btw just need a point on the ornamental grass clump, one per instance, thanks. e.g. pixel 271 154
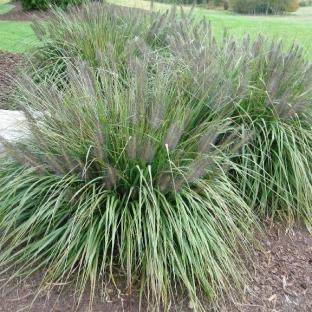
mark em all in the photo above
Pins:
pixel 278 107
pixel 123 176
pixel 96 26
pixel 81 32
pixel 266 87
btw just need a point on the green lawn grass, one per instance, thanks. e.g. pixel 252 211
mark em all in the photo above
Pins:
pixel 293 27
pixel 15 36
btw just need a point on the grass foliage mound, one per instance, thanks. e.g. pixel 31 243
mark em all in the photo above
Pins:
pixel 152 149
pixel 96 30
pixel 127 175
pixel 267 88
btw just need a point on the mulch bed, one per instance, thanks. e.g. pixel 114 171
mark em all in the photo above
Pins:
pixel 10 65
pixel 281 281
pixel 281 273
pixel 17 14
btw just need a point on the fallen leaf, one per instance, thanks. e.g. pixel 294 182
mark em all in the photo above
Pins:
pixel 273 297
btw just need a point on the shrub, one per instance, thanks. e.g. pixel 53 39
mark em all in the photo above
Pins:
pixel 292 6
pixel 187 2
pixel 264 6
pixel 207 3
pixel 305 3
pixel 219 3
pixel 44 4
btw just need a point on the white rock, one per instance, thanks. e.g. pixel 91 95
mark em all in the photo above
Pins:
pixel 13 126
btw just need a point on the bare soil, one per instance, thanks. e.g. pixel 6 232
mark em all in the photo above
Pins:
pixel 281 275
pixel 10 67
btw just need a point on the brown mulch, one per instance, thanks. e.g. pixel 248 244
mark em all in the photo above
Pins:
pixel 281 281
pixel 18 14
pixel 10 65
pixel 281 273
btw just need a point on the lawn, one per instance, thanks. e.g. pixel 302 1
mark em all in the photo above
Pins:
pixel 16 36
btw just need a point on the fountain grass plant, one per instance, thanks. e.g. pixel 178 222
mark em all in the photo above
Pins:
pixel 97 27
pixel 279 110
pixel 267 88
pixel 122 176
